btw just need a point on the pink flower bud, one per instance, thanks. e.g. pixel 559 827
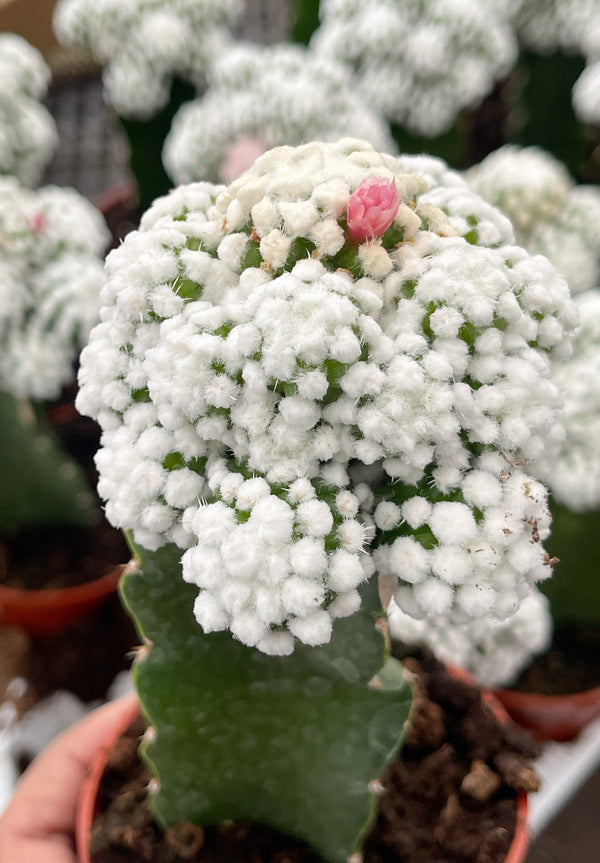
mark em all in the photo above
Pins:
pixel 240 156
pixel 38 222
pixel 372 208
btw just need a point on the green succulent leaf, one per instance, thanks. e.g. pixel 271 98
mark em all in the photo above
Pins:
pixel 292 742
pixel 40 482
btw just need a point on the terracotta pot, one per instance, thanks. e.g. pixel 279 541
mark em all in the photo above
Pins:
pixel 119 207
pixel 520 844
pixel 87 802
pixel 86 808
pixel 551 717
pixel 43 612
pixel 122 195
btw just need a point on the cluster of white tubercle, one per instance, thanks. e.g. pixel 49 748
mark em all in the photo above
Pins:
pixel 51 246
pixel 574 477
pixel 297 410
pixel 279 94
pixel 551 215
pixel 27 131
pixel 550 25
pixel 573 27
pixel 586 92
pixel 417 62
pixel 495 651
pixel 554 217
pixel 144 43
pixel 420 62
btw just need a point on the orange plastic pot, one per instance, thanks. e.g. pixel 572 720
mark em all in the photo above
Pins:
pixel 551 717
pixel 44 612
pixel 87 801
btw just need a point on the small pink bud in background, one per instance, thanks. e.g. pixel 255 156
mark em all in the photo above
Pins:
pixel 240 156
pixel 37 222
pixel 372 208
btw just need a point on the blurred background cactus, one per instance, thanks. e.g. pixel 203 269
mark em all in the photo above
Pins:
pixel 51 243
pixel 27 131
pixel 155 57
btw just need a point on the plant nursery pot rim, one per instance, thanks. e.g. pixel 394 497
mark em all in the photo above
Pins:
pixel 42 611
pixel 551 717
pixel 86 808
pixel 120 193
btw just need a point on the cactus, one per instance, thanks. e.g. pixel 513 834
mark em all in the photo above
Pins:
pixel 574 591
pixel 27 131
pixel 555 217
pixel 305 20
pixel 551 215
pixel 574 479
pixel 40 483
pixel 334 368
pixel 50 245
pixel 260 86
pixel 155 56
pixel 420 62
pixel 241 735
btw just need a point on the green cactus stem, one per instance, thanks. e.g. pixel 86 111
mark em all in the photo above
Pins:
pixel 40 483
pixel 544 95
pixel 305 20
pixel 293 742
pixel 452 146
pixel 574 589
pixel 146 139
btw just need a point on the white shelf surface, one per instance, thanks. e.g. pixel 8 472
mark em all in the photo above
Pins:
pixel 563 768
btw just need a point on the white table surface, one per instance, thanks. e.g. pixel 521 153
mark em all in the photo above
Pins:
pixel 563 768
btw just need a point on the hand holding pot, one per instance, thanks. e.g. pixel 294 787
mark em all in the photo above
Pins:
pixel 38 825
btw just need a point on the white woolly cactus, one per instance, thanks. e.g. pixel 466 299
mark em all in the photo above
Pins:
pixel 495 651
pixel 585 94
pixel 548 25
pixel 571 26
pixel 27 131
pixel 274 95
pixel 144 43
pixel 51 243
pixel 550 214
pixel 260 343
pixel 574 478
pixel 464 212
pixel 420 63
